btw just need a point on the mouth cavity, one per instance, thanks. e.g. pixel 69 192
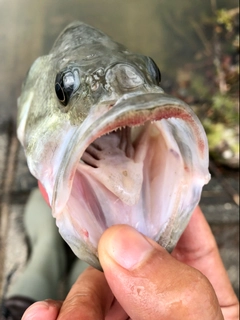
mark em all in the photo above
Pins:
pixel 145 168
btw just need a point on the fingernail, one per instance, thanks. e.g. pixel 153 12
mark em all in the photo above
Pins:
pixel 128 247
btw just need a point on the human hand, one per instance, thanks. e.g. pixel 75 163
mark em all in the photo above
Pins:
pixel 143 281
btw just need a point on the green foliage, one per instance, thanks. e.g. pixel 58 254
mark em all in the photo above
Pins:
pixel 214 133
pixel 225 17
pixel 225 109
pixel 186 31
pixel 220 139
pixel 198 86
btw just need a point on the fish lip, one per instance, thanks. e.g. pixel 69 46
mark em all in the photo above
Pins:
pixel 135 104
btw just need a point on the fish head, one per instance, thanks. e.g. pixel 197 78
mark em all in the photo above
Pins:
pixel 107 144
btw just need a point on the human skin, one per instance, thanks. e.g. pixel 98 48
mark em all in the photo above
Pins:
pixel 143 281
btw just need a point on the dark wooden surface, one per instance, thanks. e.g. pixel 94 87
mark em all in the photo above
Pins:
pixel 28 29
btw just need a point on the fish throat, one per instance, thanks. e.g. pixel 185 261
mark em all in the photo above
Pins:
pixel 135 173
pixel 126 158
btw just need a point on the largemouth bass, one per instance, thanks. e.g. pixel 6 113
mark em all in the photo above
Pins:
pixel 107 144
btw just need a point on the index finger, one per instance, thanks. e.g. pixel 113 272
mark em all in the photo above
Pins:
pixel 89 298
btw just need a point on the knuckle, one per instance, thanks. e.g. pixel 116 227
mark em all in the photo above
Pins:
pixel 81 306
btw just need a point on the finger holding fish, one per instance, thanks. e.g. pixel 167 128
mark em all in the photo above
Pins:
pixel 149 282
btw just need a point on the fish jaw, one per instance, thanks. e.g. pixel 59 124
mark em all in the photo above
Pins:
pixel 152 179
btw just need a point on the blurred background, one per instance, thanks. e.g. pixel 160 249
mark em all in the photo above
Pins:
pixel 196 46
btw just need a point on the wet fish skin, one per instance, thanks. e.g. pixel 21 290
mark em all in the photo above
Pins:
pixel 86 87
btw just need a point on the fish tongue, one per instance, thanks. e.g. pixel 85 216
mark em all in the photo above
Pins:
pixel 110 160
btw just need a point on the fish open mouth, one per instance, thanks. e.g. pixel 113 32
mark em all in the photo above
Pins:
pixel 141 163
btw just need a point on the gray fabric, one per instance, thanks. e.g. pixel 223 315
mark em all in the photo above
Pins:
pixel 47 262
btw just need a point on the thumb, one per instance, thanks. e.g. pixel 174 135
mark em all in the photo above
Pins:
pixel 149 283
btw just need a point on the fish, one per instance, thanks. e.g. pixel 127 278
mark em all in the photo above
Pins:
pixel 107 144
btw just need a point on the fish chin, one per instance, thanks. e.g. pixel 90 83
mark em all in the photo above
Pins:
pixel 142 163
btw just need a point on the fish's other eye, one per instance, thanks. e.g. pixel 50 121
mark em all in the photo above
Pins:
pixel 154 70
pixel 65 85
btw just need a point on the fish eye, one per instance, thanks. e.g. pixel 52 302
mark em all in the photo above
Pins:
pixel 66 84
pixel 154 70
